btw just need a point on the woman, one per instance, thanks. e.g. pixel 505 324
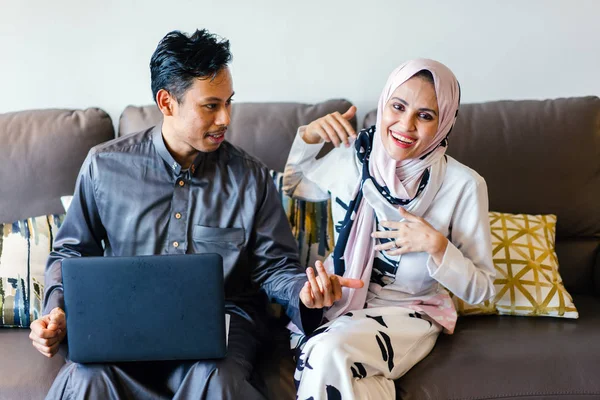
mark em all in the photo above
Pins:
pixel 412 223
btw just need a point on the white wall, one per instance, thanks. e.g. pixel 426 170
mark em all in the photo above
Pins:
pixel 80 53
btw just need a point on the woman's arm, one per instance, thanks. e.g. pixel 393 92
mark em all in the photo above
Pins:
pixel 467 269
pixel 463 262
pixel 302 161
pixel 307 177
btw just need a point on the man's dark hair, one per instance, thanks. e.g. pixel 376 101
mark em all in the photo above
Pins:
pixel 179 59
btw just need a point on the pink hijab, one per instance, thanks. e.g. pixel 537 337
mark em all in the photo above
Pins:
pixel 401 178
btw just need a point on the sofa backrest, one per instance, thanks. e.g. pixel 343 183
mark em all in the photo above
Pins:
pixel 540 157
pixel 41 152
pixel 265 130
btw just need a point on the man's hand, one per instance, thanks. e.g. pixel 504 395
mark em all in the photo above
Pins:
pixel 323 290
pixel 334 128
pixel 414 234
pixel 47 332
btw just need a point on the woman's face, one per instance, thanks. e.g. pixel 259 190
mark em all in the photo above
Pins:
pixel 410 119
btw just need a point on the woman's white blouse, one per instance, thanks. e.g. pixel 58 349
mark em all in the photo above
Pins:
pixel 459 211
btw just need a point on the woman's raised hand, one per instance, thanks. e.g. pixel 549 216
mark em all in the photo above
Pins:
pixel 334 128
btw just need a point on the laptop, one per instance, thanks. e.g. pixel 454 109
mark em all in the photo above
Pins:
pixel 145 308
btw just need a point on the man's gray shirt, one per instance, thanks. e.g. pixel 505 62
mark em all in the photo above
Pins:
pixel 133 198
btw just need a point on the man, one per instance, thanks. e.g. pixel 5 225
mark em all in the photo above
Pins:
pixel 181 189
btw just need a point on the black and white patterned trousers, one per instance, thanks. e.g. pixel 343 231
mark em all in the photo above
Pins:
pixel 358 355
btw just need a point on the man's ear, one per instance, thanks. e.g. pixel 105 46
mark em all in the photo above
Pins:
pixel 165 102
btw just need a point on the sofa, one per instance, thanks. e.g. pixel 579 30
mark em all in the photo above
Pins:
pixel 538 157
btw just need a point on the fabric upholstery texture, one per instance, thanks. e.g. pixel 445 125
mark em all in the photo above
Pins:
pixel 505 357
pixel 41 152
pixel 25 374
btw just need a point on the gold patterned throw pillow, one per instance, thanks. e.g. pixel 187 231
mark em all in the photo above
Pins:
pixel 527 279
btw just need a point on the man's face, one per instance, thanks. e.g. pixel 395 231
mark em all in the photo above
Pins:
pixel 200 120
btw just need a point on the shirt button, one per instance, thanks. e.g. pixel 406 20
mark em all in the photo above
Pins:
pixel 181 183
pixel 178 215
pixel 176 244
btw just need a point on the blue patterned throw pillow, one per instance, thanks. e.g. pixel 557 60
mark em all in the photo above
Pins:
pixel 24 249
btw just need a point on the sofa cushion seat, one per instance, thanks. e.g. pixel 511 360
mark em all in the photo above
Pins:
pixel 506 357
pixel 24 372
pixel 490 357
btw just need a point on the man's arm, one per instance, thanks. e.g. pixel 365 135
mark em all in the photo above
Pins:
pixel 81 234
pixel 275 256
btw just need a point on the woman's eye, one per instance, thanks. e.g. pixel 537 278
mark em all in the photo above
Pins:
pixel 398 107
pixel 426 116
pixel 211 106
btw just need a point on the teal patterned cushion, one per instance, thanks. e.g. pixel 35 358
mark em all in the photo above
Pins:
pixel 24 249
pixel 311 223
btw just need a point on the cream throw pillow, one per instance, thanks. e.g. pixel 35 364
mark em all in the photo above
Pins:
pixel 527 279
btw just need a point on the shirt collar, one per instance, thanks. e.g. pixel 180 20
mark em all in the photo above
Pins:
pixel 161 148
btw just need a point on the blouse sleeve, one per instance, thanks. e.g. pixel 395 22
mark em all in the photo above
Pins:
pixel 467 269
pixel 308 178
